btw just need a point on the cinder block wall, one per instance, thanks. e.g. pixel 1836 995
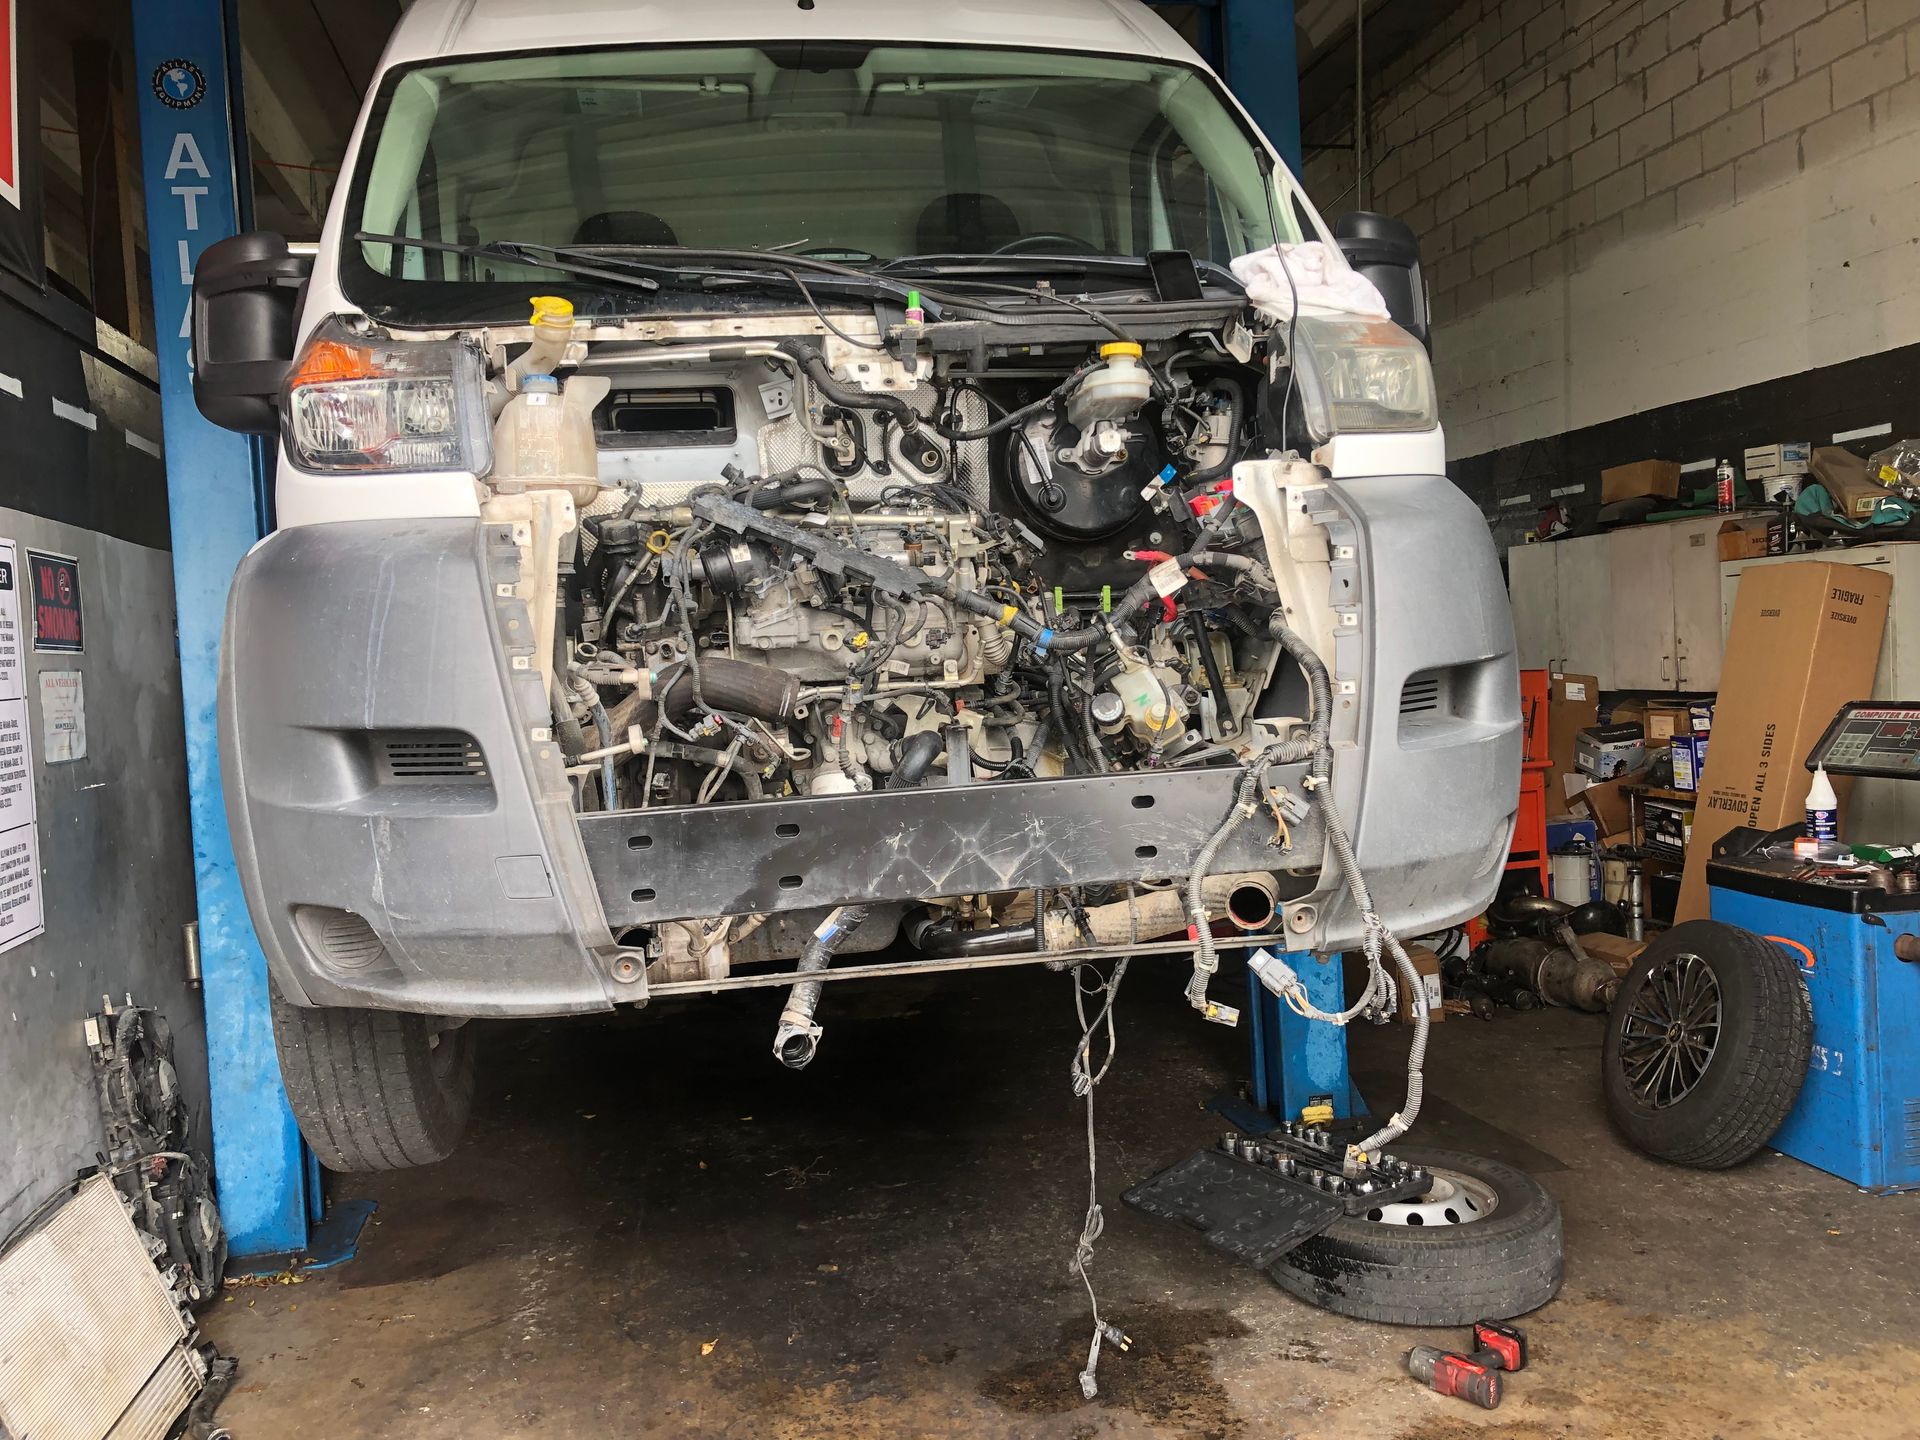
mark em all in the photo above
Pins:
pixel 1629 204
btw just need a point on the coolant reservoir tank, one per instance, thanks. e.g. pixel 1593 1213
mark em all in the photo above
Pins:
pixel 544 439
pixel 1114 391
pixel 1149 708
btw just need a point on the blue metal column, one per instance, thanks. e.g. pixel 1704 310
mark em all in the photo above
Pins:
pixel 1297 1061
pixel 1251 43
pixel 1262 65
pixel 189 115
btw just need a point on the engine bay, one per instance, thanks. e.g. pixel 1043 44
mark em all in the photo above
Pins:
pixel 787 584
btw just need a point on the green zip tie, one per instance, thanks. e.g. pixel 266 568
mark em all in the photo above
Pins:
pixel 1106 599
pixel 1059 601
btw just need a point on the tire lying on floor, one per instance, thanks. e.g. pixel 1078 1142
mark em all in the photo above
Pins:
pixel 1483 1244
pixel 1707 1045
pixel 375 1089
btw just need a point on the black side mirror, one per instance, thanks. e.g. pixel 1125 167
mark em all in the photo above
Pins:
pixel 1387 253
pixel 246 301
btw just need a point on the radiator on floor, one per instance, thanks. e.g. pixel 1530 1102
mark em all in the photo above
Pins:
pixel 92 1345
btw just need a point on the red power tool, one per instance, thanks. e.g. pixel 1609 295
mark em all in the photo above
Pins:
pixel 1497 1348
pixel 1447 1374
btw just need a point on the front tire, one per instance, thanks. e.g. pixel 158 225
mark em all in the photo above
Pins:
pixel 375 1089
pixel 1484 1244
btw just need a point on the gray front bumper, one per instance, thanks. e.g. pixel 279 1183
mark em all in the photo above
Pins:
pixel 347 646
pixel 488 896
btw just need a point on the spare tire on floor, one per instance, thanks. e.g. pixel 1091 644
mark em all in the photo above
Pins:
pixel 1483 1244
pixel 1707 1045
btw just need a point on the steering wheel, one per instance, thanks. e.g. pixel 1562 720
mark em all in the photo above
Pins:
pixel 1046 239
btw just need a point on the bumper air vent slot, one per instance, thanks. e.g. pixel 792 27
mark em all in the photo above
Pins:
pixel 429 757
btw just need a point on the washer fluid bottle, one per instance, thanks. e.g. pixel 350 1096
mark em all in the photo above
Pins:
pixel 544 439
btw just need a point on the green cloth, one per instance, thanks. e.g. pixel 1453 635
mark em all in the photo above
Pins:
pixel 1814 500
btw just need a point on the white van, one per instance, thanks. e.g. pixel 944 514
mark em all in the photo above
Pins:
pixel 804 479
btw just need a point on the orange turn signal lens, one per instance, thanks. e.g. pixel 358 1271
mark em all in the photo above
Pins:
pixel 325 361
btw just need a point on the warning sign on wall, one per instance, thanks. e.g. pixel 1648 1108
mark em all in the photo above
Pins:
pixel 56 602
pixel 21 915
pixel 63 716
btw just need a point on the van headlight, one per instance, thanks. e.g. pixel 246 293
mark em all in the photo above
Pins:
pixel 376 406
pixel 1361 376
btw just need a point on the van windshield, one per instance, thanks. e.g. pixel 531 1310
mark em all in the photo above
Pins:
pixel 845 152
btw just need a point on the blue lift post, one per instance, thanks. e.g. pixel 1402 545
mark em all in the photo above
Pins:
pixel 1251 43
pixel 193 143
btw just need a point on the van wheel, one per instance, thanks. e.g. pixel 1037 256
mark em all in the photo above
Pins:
pixel 375 1089
pixel 1484 1243
pixel 1707 1045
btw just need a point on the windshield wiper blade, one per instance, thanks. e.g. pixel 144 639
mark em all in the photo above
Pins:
pixel 769 267
pixel 520 253
pixel 958 264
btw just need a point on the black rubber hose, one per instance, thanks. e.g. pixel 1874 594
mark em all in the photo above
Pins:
pixel 797 1037
pixel 814 364
pixel 713 760
pixel 916 758
pixel 942 940
pixel 1234 445
pixel 778 494
pixel 738 686
pixel 1209 662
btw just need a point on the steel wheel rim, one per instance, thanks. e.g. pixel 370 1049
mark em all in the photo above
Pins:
pixel 1671 1031
pixel 1454 1198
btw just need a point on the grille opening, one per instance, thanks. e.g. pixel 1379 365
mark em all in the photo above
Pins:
pixel 1425 694
pixel 429 756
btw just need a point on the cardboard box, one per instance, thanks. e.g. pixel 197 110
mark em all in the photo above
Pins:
pixel 1667 827
pixel 1752 536
pixel 1850 481
pixel 1763 462
pixel 1606 801
pixel 1643 477
pixel 1607 751
pixel 1428 964
pixel 1618 951
pixel 1573 703
pixel 1689 759
pixel 1805 640
pixel 1700 714
pixel 1663 722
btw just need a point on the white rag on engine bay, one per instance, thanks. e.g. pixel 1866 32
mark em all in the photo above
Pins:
pixel 1321 274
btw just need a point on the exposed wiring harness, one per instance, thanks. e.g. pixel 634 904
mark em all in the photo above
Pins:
pixel 1085 1079
pixel 1278 977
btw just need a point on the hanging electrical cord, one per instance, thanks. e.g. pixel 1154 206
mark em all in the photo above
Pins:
pixel 1274 973
pixel 1085 1080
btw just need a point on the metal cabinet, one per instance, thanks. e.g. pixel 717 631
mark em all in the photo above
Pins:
pixel 1639 607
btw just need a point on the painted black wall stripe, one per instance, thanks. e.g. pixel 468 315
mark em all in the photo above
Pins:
pixel 59 466
pixel 1813 405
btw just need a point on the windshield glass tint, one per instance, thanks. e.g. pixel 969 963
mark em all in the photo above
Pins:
pixel 841 151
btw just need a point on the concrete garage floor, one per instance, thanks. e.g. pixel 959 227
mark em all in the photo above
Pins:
pixel 653 1230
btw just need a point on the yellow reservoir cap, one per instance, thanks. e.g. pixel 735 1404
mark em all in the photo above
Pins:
pixel 552 308
pixel 1121 347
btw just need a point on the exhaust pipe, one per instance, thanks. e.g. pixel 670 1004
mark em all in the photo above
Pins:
pixel 1248 901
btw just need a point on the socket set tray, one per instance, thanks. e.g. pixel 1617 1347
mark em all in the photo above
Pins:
pixel 1257 1199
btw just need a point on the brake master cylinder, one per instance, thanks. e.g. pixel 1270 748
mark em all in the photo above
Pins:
pixel 1113 391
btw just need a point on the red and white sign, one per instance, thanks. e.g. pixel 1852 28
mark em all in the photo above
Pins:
pixel 10 103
